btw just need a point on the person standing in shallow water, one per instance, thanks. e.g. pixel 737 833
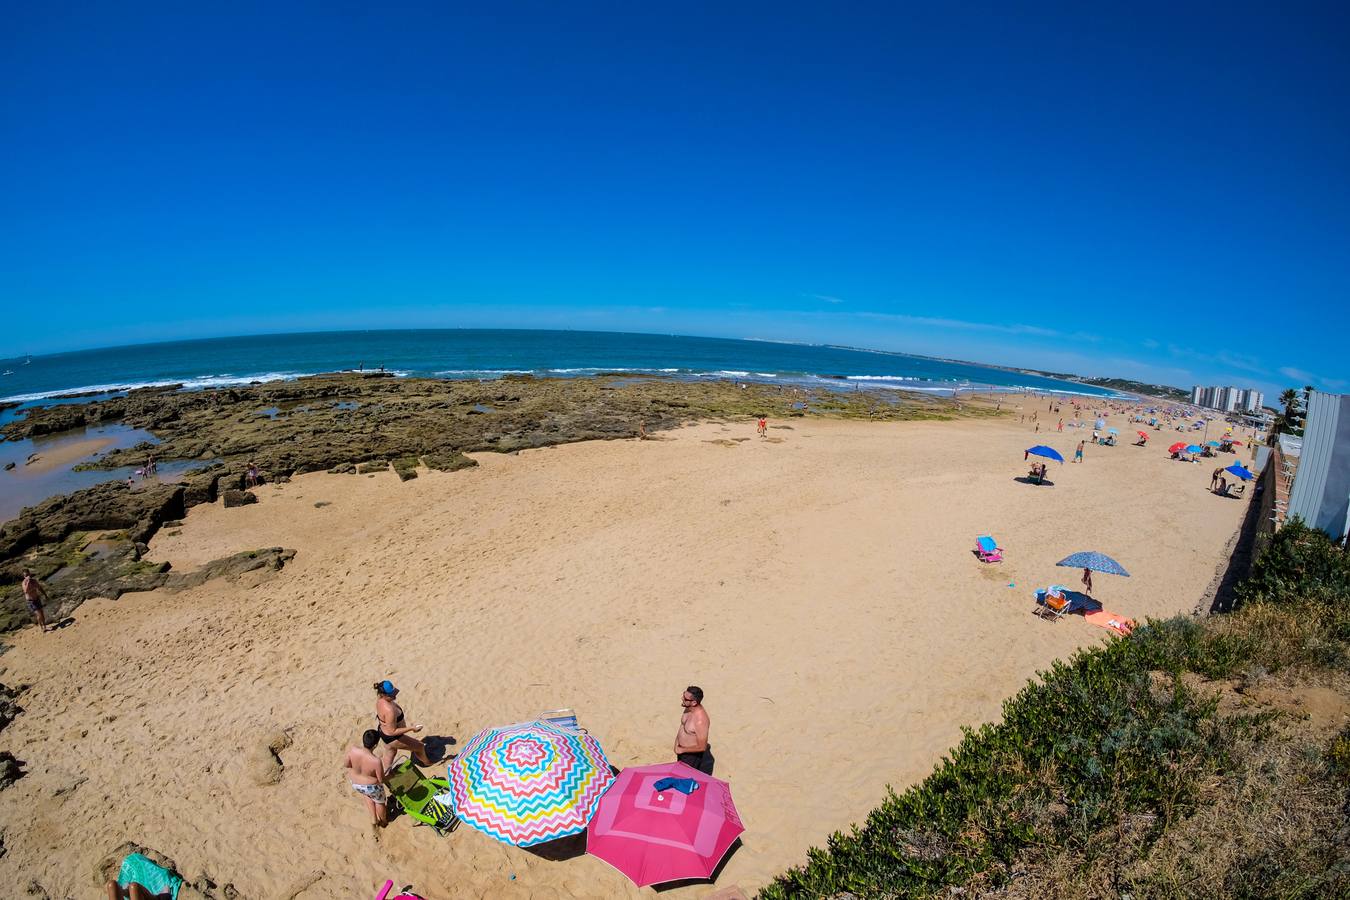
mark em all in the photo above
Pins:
pixel 691 740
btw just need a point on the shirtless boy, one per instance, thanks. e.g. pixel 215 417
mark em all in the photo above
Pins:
pixel 368 776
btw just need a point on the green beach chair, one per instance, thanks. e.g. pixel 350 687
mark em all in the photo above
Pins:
pixel 416 794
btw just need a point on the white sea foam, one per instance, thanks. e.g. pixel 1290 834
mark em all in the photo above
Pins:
pixel 197 383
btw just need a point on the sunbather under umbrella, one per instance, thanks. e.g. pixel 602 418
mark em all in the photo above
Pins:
pixel 1042 450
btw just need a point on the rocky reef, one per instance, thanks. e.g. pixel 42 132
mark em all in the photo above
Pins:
pixel 91 543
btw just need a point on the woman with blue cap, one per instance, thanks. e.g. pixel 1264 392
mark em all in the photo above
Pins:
pixel 394 731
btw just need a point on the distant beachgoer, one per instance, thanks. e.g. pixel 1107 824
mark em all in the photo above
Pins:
pixel 1038 428
pixel 642 431
pixel 35 594
pixel 1223 485
pixel 763 428
pixel 392 729
pixel 691 740
pixel 1078 454
pixel 1214 478
pixel 368 776
pixel 1061 424
pixel 151 467
pixel 251 476
pixel 1087 581
pixel 131 482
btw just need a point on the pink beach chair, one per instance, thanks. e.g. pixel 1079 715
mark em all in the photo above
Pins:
pixel 987 549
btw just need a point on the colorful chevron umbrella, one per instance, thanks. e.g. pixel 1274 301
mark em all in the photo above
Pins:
pixel 529 783
pixel 678 830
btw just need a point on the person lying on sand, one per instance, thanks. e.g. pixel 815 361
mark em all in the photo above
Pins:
pixel 392 729
pixel 368 776
pixel 132 891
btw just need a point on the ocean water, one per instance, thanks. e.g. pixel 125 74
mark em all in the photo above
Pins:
pixel 483 353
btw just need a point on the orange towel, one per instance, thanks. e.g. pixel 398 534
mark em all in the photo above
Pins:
pixel 1114 621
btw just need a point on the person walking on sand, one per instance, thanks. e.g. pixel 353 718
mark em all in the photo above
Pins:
pixel 691 740
pixel 392 729
pixel 1078 454
pixel 763 429
pixel 1061 424
pixel 368 776
pixel 251 475
pixel 34 594
pixel 1087 581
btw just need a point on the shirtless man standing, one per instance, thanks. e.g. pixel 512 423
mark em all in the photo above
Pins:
pixel 368 776
pixel 691 741
pixel 35 594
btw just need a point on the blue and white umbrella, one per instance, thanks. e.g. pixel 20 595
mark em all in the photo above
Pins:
pixel 1097 562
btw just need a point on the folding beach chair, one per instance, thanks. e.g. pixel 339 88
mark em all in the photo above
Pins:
pixel 1051 602
pixel 987 549
pixel 425 799
pixel 563 718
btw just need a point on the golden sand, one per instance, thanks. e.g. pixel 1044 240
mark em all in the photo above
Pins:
pixel 819 585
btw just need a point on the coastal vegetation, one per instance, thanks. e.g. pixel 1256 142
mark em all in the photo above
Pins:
pixel 1195 757
pixel 90 543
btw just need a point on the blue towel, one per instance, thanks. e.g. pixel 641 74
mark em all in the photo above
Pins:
pixel 683 785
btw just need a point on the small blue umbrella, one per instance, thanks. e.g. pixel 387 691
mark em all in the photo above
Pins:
pixel 1112 431
pixel 1211 443
pixel 1239 471
pixel 1097 562
pixel 1194 449
pixel 1047 452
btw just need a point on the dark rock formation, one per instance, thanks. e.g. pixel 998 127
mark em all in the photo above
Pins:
pixel 11 769
pixel 270 559
pixel 238 498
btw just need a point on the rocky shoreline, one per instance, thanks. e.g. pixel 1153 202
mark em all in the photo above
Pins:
pixel 90 543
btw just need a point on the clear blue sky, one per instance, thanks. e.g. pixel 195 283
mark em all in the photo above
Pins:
pixel 1159 192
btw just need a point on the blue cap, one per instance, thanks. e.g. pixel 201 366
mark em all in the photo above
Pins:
pixel 387 687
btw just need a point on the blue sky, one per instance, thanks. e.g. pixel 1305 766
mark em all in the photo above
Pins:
pixel 1159 191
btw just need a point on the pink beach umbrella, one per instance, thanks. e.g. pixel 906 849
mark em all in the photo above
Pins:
pixel 656 836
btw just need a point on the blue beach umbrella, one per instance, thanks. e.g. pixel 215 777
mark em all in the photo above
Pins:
pixel 1112 431
pixel 1211 443
pixel 1047 452
pixel 1239 471
pixel 1194 449
pixel 1097 562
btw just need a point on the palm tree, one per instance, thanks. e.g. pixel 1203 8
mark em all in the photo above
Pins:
pixel 1290 420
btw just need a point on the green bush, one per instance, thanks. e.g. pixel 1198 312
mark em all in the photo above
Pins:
pixel 1299 562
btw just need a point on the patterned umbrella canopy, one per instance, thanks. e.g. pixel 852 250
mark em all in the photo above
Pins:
pixel 1097 562
pixel 529 783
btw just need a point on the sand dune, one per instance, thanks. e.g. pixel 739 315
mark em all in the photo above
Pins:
pixel 819 587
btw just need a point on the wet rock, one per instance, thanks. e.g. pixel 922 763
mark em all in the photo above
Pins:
pixel 270 559
pixel 238 498
pixel 448 462
pixel 8 466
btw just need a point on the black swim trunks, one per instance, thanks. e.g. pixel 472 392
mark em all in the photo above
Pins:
pixel 701 761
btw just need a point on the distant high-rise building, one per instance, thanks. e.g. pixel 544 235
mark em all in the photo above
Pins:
pixel 1227 398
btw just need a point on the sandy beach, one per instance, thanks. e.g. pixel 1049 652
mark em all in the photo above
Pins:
pixel 62 455
pixel 818 584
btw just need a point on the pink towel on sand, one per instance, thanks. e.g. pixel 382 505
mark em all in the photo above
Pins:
pixel 1114 621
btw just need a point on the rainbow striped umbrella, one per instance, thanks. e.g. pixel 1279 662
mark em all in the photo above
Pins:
pixel 529 783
